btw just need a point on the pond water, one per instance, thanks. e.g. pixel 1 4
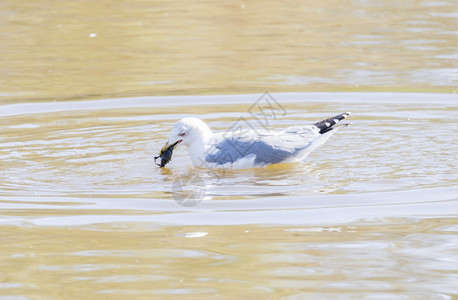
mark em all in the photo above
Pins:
pixel 90 89
pixel 371 212
pixel 101 49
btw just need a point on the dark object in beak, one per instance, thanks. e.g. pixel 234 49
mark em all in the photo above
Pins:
pixel 166 154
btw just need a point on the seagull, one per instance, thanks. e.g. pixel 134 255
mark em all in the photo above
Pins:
pixel 242 149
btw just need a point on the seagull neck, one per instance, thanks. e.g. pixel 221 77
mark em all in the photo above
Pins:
pixel 198 148
pixel 201 141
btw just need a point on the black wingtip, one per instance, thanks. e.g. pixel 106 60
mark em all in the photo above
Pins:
pixel 328 124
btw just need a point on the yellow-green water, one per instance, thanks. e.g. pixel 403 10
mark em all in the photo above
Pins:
pixel 95 49
pixel 85 213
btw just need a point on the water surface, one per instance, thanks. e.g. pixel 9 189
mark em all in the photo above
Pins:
pixel 84 210
pixel 98 49
pixel 90 89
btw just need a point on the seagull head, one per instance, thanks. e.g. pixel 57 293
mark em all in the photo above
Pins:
pixel 187 131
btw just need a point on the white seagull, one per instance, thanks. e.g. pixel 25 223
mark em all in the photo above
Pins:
pixel 241 149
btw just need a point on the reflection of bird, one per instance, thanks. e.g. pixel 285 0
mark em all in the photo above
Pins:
pixel 249 148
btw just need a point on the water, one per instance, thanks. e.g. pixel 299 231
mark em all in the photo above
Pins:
pixel 90 89
pixel 79 50
pixel 372 213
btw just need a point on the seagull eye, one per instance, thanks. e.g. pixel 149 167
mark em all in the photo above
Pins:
pixel 182 134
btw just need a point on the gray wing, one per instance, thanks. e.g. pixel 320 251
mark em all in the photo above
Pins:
pixel 269 148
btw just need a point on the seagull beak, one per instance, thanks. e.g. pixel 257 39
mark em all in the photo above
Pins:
pixel 166 153
pixel 167 145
